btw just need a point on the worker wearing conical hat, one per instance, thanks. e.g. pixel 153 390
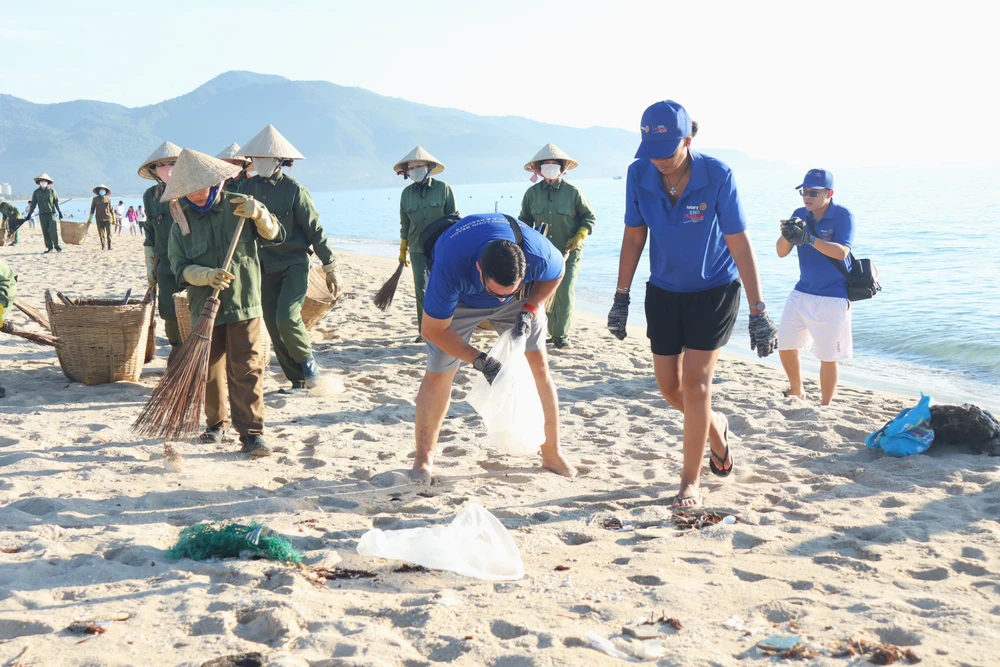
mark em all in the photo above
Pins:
pixel 570 220
pixel 205 223
pixel 49 213
pixel 233 156
pixel 158 167
pixel 10 219
pixel 101 206
pixel 286 266
pixel 423 201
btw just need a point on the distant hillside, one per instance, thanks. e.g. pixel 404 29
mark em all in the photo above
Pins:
pixel 351 137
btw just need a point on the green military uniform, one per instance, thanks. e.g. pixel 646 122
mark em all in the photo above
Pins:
pixel 566 210
pixel 420 205
pixel 9 215
pixel 8 290
pixel 286 266
pixel 47 202
pixel 102 208
pixel 157 230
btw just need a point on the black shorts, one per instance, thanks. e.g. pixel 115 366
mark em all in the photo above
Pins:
pixel 704 320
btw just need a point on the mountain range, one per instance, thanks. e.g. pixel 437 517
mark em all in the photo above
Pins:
pixel 351 137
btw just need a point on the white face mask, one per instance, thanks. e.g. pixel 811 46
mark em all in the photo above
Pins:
pixel 44 185
pixel 265 166
pixel 417 174
pixel 164 171
pixel 551 171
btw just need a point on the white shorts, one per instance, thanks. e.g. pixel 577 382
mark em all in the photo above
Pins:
pixel 822 323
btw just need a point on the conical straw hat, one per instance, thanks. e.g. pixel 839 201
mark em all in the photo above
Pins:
pixel 196 171
pixel 102 187
pixel 552 152
pixel 270 143
pixel 43 177
pixel 166 151
pixel 419 154
pixel 232 152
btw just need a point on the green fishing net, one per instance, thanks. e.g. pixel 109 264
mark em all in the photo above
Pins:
pixel 205 540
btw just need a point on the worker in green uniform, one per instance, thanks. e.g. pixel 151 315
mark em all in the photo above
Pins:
pixel 570 220
pixel 286 266
pixel 101 206
pixel 233 156
pixel 158 167
pixel 47 202
pixel 422 202
pixel 10 219
pixel 199 241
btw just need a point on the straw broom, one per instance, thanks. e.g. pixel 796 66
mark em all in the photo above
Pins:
pixel 41 339
pixel 385 295
pixel 151 333
pixel 175 406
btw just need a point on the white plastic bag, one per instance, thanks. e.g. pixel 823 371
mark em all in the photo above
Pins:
pixel 510 407
pixel 475 544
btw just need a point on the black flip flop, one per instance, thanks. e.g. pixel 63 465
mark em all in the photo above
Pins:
pixel 717 471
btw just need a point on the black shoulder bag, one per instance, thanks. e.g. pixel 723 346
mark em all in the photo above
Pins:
pixel 862 280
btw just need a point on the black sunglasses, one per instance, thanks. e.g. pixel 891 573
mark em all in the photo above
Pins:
pixel 500 296
pixel 805 192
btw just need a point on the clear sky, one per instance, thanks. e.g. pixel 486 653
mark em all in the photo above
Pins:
pixel 873 83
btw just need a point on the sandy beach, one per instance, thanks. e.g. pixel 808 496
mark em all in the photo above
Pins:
pixel 832 542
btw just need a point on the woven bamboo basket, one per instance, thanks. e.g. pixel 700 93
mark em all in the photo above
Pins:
pixel 184 325
pixel 100 340
pixel 319 301
pixel 73 233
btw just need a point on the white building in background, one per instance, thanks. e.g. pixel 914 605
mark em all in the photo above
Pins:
pixel 5 189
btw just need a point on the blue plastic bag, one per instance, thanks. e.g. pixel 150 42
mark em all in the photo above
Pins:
pixel 907 433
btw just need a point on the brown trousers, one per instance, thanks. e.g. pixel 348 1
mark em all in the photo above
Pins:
pixel 236 369
pixel 104 230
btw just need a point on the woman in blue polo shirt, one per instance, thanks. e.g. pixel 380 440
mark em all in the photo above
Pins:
pixel 699 252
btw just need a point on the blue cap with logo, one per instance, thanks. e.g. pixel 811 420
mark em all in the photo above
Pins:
pixel 664 125
pixel 819 179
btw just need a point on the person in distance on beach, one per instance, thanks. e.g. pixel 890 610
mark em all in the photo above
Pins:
pixel 817 314
pixel 158 167
pixel 422 202
pixel 286 266
pixel 102 207
pixel 477 273
pixel 205 222
pixel 120 216
pixel 47 202
pixel 570 220
pixel 687 205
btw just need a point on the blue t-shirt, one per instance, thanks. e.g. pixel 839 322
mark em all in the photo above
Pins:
pixel 454 276
pixel 817 274
pixel 687 249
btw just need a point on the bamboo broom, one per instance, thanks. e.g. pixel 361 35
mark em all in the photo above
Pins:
pixel 385 295
pixel 40 339
pixel 175 406
pixel 33 313
pixel 151 333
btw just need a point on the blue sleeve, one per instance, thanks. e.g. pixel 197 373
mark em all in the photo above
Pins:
pixel 633 218
pixel 844 233
pixel 727 206
pixel 441 295
pixel 547 263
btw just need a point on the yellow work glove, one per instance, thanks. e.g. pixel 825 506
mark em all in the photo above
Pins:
pixel 90 218
pixel 150 266
pixel 202 276
pixel 403 247
pixel 576 242
pixel 332 278
pixel 2 309
pixel 250 208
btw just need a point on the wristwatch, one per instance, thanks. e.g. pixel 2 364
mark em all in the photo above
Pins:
pixel 760 307
pixel 479 363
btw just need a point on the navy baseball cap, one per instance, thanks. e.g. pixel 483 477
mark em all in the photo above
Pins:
pixel 820 179
pixel 664 125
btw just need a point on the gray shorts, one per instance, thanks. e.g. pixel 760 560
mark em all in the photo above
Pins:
pixel 466 319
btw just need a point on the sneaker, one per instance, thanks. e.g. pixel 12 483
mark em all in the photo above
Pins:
pixel 212 435
pixel 58 249
pixel 562 343
pixel 312 372
pixel 254 445
pixel 549 340
pixel 296 388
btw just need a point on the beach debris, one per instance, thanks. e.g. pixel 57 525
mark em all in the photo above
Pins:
pixel 876 653
pixel 651 649
pixel 685 521
pixel 18 660
pixel 10 550
pixel 89 627
pixel 604 646
pixel 206 540
pixel 447 602
pixel 318 576
pixel 613 523
pixel 406 568
pixel 734 622
pixel 561 568
pixel 475 544
pixel 237 660
pixel 655 533
pixel 966 424
pixel 642 630
pixel 172 460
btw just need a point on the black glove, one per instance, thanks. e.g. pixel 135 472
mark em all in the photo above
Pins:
pixel 618 316
pixel 522 325
pixel 763 335
pixel 488 366
pixel 795 232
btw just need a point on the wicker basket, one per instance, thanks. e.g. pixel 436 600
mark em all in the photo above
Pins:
pixel 319 301
pixel 100 340
pixel 184 324
pixel 73 233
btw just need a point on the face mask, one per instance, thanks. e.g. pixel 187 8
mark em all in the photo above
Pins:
pixel 213 194
pixel 102 192
pixel 164 171
pixel 265 166
pixel 551 171
pixel 417 174
pixel 44 185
